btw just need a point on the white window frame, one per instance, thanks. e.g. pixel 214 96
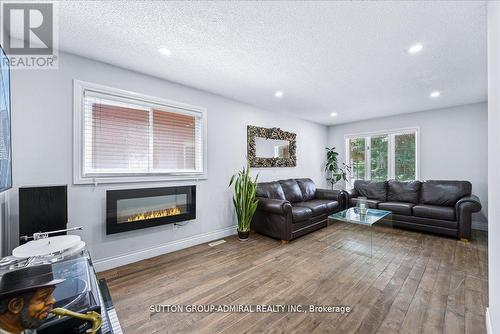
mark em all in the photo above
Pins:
pixel 79 87
pixel 390 149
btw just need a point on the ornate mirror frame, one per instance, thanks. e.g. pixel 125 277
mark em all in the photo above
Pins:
pixel 270 133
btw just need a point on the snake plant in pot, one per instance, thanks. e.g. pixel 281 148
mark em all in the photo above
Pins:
pixel 244 200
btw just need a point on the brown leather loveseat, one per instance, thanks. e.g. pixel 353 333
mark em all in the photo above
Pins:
pixel 290 208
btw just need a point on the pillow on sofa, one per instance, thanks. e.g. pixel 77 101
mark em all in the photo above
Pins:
pixel 446 193
pixel 271 190
pixel 371 189
pixel 292 190
pixel 398 191
pixel 308 189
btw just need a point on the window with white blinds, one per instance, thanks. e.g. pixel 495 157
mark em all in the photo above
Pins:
pixel 130 136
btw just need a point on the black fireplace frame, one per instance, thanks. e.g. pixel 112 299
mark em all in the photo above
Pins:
pixel 112 197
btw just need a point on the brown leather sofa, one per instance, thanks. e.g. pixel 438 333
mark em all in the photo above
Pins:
pixel 443 207
pixel 290 208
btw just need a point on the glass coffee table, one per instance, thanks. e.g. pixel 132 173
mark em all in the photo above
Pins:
pixel 369 218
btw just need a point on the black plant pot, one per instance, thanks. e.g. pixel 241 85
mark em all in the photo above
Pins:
pixel 243 236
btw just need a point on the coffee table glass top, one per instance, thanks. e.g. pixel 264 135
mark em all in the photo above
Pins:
pixel 353 215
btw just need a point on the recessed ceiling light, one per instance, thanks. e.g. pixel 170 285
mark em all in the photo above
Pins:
pixel 435 93
pixel 414 49
pixel 165 51
pixel 333 114
pixel 278 94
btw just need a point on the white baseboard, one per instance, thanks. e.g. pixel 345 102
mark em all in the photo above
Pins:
pixel 481 226
pixel 121 260
pixel 489 330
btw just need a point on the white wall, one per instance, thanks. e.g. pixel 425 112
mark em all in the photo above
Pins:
pixel 494 166
pixel 42 154
pixel 453 144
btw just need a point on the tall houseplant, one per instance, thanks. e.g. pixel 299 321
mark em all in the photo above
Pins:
pixel 335 172
pixel 244 200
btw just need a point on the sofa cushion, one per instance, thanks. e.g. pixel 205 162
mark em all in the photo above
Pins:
pixel 300 213
pixel 319 206
pixel 398 191
pixel 292 190
pixel 425 222
pixel 400 208
pixel 271 190
pixel 434 211
pixel 331 205
pixel 445 193
pixel 376 190
pixel 308 188
pixel 372 204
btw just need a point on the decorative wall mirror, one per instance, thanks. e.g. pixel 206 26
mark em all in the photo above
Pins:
pixel 271 147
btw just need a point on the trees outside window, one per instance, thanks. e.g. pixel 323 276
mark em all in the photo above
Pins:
pixel 382 156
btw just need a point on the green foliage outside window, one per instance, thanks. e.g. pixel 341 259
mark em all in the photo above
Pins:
pixel 357 149
pixel 379 158
pixel 405 157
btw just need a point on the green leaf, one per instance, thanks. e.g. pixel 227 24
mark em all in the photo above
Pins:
pixel 244 197
pixel 232 179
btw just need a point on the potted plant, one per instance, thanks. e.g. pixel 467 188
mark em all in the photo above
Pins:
pixel 244 200
pixel 335 173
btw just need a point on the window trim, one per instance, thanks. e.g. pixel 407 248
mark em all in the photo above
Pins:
pixel 390 147
pixel 79 87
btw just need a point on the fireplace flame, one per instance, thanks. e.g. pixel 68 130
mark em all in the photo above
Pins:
pixel 154 214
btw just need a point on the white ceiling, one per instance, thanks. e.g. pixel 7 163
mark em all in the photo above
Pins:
pixel 345 57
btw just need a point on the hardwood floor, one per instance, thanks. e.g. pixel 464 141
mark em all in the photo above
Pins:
pixel 413 283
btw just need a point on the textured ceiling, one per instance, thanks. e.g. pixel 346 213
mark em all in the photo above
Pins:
pixel 345 57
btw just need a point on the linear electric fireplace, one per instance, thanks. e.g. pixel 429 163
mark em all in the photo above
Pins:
pixel 132 209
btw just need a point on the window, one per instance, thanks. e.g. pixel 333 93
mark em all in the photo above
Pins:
pixel 379 154
pixel 122 136
pixel 383 155
pixel 404 153
pixel 357 161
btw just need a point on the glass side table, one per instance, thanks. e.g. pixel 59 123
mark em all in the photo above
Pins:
pixel 356 216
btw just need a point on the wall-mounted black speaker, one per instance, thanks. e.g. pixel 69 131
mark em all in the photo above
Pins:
pixel 42 209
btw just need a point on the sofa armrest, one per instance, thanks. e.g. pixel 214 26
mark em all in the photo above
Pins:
pixel 273 217
pixel 348 194
pixel 351 193
pixel 464 209
pixel 274 205
pixel 472 202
